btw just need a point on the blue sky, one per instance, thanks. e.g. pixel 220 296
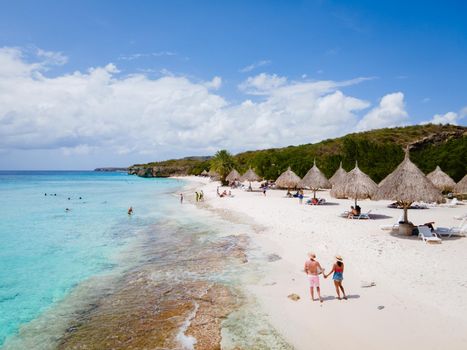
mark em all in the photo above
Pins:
pixel 96 83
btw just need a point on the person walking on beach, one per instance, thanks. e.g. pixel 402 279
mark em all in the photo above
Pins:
pixel 197 196
pixel 201 195
pixel 338 277
pixel 313 269
pixel 181 198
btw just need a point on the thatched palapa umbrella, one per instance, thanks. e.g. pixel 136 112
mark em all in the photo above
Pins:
pixel 356 185
pixel 338 175
pixel 461 186
pixel 288 179
pixel 407 184
pixel 441 180
pixel 233 176
pixel 204 173
pixel 250 176
pixel 314 179
pixel 213 175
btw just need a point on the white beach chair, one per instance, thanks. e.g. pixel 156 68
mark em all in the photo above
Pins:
pixel 425 233
pixel 394 226
pixel 452 204
pixel 364 216
pixel 460 230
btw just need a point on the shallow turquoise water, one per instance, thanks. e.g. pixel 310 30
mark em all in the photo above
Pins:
pixel 46 251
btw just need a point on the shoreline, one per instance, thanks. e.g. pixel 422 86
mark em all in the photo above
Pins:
pixel 418 299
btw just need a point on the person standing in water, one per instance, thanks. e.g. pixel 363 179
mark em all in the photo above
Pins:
pixel 130 211
pixel 313 269
pixel 181 198
pixel 338 277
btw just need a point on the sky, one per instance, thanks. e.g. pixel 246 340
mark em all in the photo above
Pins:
pixel 87 84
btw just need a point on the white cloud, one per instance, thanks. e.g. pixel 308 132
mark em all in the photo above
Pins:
pixel 390 112
pixel 262 84
pixel 255 65
pixel 135 56
pixel 51 57
pixel 214 84
pixel 99 111
pixel 448 118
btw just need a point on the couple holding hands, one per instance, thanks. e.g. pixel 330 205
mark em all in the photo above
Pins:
pixel 313 269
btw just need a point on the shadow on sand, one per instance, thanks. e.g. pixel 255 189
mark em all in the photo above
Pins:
pixel 331 297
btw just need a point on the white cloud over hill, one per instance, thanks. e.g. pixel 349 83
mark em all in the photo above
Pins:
pixel 101 109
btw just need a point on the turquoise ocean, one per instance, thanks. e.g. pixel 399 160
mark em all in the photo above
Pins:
pixel 94 277
pixel 46 251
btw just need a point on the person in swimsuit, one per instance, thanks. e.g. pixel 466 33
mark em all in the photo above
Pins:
pixel 313 269
pixel 338 276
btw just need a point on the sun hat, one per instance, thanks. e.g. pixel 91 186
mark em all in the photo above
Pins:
pixel 339 258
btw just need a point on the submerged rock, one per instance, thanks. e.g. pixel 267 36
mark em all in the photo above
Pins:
pixel 273 257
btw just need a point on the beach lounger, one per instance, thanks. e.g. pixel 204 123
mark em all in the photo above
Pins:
pixel 452 204
pixel 363 216
pixel 460 230
pixel 425 233
pixel 393 227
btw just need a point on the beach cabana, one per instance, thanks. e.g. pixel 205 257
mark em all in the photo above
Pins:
pixel 213 175
pixel 288 179
pixel 405 185
pixel 338 176
pixel 461 187
pixel 356 185
pixel 250 176
pixel 233 176
pixel 204 173
pixel 314 180
pixel 441 180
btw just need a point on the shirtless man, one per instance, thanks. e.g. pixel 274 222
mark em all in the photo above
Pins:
pixel 313 269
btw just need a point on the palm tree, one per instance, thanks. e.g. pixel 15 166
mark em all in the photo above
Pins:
pixel 222 163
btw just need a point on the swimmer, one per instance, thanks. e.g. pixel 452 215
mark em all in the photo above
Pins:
pixel 130 210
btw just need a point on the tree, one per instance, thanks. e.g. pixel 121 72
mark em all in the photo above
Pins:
pixel 222 163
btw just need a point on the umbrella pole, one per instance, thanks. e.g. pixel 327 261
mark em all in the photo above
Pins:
pixel 314 194
pixel 355 202
pixel 406 207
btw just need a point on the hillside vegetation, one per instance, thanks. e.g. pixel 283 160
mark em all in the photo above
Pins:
pixel 378 152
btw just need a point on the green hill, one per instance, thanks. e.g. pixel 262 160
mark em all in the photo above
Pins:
pixel 378 152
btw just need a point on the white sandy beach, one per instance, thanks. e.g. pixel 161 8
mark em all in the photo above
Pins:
pixel 420 297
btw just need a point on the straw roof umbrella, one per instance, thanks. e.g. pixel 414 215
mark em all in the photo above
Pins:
pixel 288 179
pixel 213 175
pixel 204 173
pixel 461 186
pixel 407 184
pixel 338 175
pixel 233 176
pixel 441 180
pixel 250 176
pixel 356 185
pixel 315 180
